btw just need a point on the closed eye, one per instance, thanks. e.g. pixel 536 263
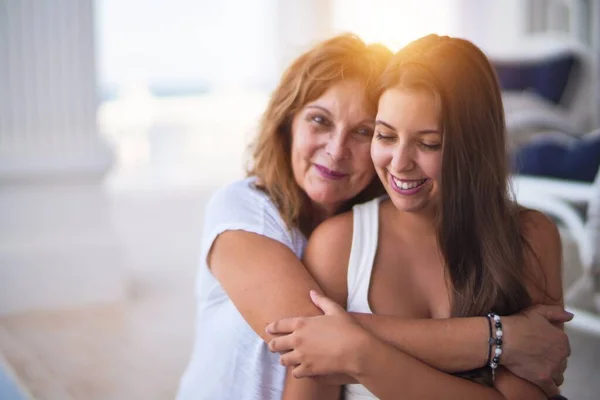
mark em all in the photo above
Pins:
pixel 387 138
pixel 432 147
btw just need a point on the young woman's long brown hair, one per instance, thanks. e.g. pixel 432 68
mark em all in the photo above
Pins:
pixel 341 57
pixel 479 230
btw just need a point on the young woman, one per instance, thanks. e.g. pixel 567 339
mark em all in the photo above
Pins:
pixel 446 242
pixel 311 161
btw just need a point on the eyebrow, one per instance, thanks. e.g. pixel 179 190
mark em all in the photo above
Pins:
pixel 420 132
pixel 320 108
pixel 367 121
pixel 380 122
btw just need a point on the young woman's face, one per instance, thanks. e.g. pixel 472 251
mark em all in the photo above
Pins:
pixel 331 139
pixel 407 148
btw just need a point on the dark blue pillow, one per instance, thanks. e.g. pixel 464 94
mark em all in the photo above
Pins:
pixel 577 160
pixel 545 77
pixel 582 160
pixel 541 158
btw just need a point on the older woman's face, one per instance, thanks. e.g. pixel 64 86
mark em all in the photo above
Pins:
pixel 331 139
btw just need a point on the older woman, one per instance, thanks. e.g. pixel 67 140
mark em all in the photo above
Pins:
pixel 312 161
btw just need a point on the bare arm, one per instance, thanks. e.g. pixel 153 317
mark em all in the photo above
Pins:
pixel 387 371
pixel 533 349
pixel 309 389
pixel 266 281
pixel 465 339
pixel 263 278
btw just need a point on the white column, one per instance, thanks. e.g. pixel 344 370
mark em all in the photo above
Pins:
pixel 300 25
pixel 57 244
pixel 48 92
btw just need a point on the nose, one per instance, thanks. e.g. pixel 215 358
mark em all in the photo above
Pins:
pixel 403 158
pixel 337 145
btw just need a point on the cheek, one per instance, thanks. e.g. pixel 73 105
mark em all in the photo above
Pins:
pixel 362 157
pixel 434 168
pixel 304 144
pixel 380 157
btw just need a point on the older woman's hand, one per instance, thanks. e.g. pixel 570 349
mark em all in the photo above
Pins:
pixel 535 349
pixel 328 345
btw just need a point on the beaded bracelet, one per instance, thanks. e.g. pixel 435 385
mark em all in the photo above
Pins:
pixel 497 341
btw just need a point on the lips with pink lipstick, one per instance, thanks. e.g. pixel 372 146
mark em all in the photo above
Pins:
pixel 407 186
pixel 329 173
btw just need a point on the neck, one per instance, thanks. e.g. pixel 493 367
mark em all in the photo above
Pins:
pixel 319 213
pixel 420 224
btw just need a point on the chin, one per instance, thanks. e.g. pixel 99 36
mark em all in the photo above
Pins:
pixel 407 207
pixel 325 200
pixel 328 199
pixel 411 205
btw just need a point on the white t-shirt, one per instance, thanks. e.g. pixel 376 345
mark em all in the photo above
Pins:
pixel 229 360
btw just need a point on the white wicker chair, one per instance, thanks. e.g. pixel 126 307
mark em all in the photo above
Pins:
pixel 560 199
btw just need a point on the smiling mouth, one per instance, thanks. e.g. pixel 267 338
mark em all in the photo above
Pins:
pixel 407 185
pixel 328 173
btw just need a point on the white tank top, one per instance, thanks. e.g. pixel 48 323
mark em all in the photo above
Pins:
pixel 360 266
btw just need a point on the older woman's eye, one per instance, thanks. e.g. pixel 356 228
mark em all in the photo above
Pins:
pixel 321 120
pixel 365 131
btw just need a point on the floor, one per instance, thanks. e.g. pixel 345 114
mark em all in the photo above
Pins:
pixel 133 350
pixel 138 349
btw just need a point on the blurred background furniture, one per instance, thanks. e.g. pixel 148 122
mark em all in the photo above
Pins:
pixel 576 208
pixel 551 81
pixel 552 85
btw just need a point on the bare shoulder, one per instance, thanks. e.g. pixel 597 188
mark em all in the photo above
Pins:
pixel 333 235
pixel 327 254
pixel 543 256
pixel 538 222
pixel 541 233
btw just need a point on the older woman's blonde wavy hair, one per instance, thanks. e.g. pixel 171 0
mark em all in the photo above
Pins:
pixel 310 75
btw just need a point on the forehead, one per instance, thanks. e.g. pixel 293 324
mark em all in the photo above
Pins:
pixel 345 99
pixel 406 109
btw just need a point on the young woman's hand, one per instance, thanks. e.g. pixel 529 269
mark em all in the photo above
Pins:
pixel 535 349
pixel 327 345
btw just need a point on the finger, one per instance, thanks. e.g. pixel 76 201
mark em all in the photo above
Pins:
pixel 558 380
pixel 553 313
pixel 282 327
pixel 301 371
pixel 563 366
pixel 282 344
pixel 550 388
pixel 290 359
pixel 328 306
